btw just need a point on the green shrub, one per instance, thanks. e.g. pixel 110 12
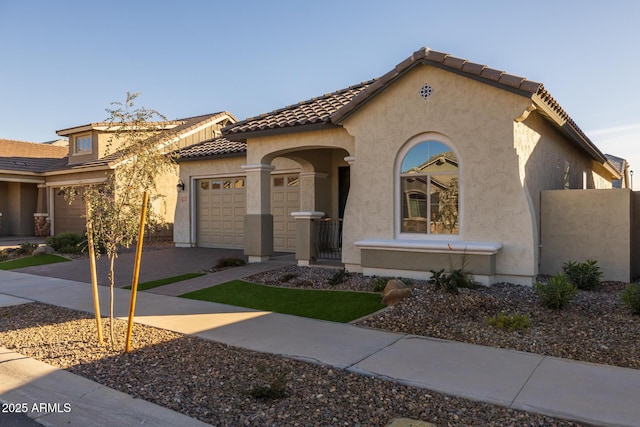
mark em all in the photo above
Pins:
pixel 68 243
pixel 339 277
pixel 631 296
pixel 517 322
pixel 453 280
pixel 27 248
pixel 230 262
pixel 274 384
pixel 287 277
pixel 379 283
pixel 557 293
pixel 585 275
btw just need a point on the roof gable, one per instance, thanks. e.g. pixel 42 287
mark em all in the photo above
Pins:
pixel 312 114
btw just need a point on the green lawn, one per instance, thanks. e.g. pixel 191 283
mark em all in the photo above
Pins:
pixel 336 306
pixel 161 282
pixel 30 261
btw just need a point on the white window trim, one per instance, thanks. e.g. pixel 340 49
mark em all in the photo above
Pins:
pixel 397 183
pixel 77 152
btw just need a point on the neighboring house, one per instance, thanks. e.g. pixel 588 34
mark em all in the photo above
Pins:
pixel 85 161
pixel 622 166
pixel 437 162
pixel 21 167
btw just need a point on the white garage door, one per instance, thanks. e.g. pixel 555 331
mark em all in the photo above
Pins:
pixel 221 205
pixel 285 199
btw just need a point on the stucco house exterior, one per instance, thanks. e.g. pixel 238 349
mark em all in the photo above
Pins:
pixel 21 174
pixel 438 161
pixel 85 160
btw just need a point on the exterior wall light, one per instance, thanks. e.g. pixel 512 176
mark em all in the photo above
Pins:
pixel 180 186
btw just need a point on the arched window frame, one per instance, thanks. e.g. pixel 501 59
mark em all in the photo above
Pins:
pixel 402 153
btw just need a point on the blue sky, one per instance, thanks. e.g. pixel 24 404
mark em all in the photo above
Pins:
pixel 63 62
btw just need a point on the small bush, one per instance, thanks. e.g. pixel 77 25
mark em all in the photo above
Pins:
pixel 557 293
pixel 286 277
pixel 517 322
pixel 379 283
pixel 339 277
pixel 230 262
pixel 452 281
pixel 585 275
pixel 27 248
pixel 68 243
pixel 275 386
pixel 631 296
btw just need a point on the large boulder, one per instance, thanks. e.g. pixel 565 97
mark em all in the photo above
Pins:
pixel 394 292
pixel 42 249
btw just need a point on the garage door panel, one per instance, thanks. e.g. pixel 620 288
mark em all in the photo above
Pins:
pixel 221 208
pixel 285 199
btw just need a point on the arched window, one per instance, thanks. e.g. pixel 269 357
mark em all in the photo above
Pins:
pixel 429 187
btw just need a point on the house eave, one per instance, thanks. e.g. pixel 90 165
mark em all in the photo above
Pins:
pixel 569 130
pixel 243 136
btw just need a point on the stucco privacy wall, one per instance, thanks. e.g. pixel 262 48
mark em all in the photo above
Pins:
pixel 587 224
pixel 545 156
pixel 476 121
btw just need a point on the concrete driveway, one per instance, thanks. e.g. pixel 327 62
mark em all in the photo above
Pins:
pixel 155 264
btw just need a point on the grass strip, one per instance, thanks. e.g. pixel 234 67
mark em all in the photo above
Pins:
pixel 335 306
pixel 31 261
pixel 161 282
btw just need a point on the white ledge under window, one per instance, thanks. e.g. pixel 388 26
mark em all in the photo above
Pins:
pixel 433 246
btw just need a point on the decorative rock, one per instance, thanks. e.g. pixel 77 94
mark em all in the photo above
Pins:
pixel 43 249
pixel 394 292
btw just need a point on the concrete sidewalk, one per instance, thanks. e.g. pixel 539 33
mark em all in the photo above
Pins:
pixel 595 394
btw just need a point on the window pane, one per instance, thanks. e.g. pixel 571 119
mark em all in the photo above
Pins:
pixel 430 156
pixel 239 183
pixel 429 190
pixel 278 181
pixel 204 185
pixel 292 181
pixel 444 204
pixel 414 205
pixel 226 184
pixel 216 185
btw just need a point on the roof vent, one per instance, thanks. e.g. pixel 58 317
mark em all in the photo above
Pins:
pixel 426 91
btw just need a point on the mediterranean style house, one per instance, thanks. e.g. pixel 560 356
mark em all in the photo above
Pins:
pixel 33 176
pixel 439 162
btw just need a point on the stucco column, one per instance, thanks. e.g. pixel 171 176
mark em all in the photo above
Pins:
pixel 305 245
pixel 310 184
pixel 258 221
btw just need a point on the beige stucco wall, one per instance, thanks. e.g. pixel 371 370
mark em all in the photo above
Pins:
pixel 263 149
pixel 587 224
pixel 544 157
pixel 477 121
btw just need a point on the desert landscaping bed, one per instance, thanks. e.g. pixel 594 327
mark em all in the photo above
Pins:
pixel 214 382
pixel 595 327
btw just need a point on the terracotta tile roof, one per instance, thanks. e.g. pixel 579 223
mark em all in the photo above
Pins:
pixel 333 108
pixel 220 146
pixel 316 111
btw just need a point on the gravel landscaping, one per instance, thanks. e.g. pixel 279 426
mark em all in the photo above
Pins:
pixel 213 382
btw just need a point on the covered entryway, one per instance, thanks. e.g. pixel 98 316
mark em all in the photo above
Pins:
pixel 221 205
